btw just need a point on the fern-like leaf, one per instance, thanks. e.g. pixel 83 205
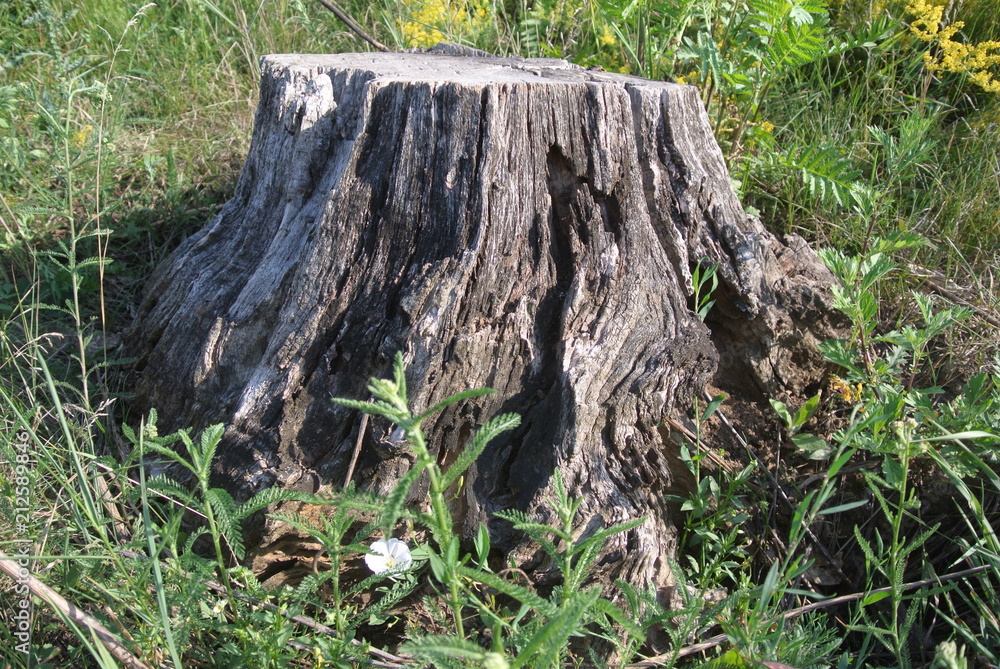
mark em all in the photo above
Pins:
pixel 795 46
pixel 224 508
pixel 169 453
pixel 189 543
pixel 457 397
pixel 210 439
pixel 546 646
pixel 599 537
pixel 171 488
pixel 515 591
pixel 310 584
pixel 445 651
pixel 627 622
pixel 484 435
pixel 269 496
pixel 396 594
pixel 538 532
pixel 393 505
pixel 825 171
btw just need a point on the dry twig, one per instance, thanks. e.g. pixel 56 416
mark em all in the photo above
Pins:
pixel 71 612
pixel 353 25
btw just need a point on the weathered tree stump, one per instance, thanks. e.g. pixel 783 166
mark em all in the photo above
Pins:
pixel 526 225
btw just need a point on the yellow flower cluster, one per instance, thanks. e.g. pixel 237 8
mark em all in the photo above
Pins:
pixel 607 37
pixel 974 60
pixel 431 21
pixel 79 138
pixel 851 394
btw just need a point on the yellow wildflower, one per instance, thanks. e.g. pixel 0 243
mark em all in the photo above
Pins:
pixel 851 394
pixel 432 21
pixel 973 60
pixel 607 37
pixel 767 127
pixel 78 138
pixel 927 19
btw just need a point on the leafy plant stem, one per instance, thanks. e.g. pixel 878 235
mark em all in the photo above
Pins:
pixel 161 601
pixel 444 534
pixel 71 260
pixel 216 539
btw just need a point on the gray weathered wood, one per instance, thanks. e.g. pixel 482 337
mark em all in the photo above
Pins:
pixel 520 224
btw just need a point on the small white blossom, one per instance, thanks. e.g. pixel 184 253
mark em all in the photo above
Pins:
pixel 219 606
pixel 391 555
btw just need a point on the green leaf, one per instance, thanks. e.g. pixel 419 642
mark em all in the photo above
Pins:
pixel 487 432
pixel 167 486
pixel 601 536
pixel 782 411
pixel 481 543
pixel 545 647
pixel 269 496
pixel 149 445
pixel 807 410
pixel 874 597
pixel 826 172
pixel 458 397
pixel 893 472
pixel 627 621
pixel 210 439
pixel 438 567
pixel 515 591
pixel 435 648
pixel 713 406
pixel 812 446
pixel 366 407
pixel 837 464
pixel 769 586
pixel 225 509
pixel 536 531
pixel 843 507
pixel 399 374
pixel 394 502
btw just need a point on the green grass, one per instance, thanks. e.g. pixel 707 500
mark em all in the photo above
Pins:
pixel 122 130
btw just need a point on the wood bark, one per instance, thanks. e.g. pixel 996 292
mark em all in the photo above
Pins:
pixel 526 225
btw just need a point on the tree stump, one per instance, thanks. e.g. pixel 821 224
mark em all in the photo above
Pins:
pixel 526 225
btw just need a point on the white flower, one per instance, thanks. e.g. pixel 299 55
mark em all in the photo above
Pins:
pixel 391 555
pixel 219 606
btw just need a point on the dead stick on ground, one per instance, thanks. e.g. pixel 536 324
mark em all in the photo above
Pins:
pixel 721 638
pixel 350 23
pixel 71 611
pixel 944 292
pixel 357 448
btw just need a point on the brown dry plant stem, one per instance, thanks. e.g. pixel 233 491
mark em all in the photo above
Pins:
pixel 353 25
pixel 71 612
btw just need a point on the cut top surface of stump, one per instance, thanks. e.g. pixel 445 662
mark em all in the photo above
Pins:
pixel 439 68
